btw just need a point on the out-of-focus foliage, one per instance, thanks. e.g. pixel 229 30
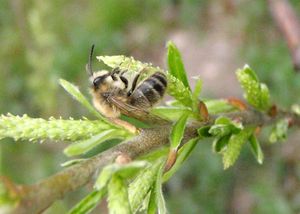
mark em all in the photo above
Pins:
pixel 42 41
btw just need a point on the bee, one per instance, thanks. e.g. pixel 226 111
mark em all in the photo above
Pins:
pixel 119 92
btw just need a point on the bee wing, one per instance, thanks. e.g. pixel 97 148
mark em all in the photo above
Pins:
pixel 137 113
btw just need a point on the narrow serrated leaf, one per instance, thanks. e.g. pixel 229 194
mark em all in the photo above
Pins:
pixel 178 90
pixel 174 103
pixel 256 93
pixel 204 131
pixel 250 72
pixel 227 121
pixel 220 130
pixel 171 113
pixel 234 146
pixel 220 143
pixel 224 126
pixel 84 146
pixel 175 64
pixel 72 162
pixel 87 204
pixel 77 95
pixel 122 170
pixel 142 184
pixel 223 120
pixel 156 154
pixel 195 95
pixel 160 201
pixel 256 149
pixel 125 171
pixel 197 90
pixel 118 196
pixel 151 209
pixel 218 106
pixel 264 96
pixel 178 131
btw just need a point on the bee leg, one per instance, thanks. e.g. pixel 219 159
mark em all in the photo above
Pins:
pixel 128 126
pixel 135 80
pixel 115 71
pixel 133 85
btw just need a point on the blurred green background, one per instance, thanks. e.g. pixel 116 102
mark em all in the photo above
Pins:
pixel 42 41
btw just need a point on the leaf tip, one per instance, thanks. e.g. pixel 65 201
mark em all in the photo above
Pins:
pixel 170 44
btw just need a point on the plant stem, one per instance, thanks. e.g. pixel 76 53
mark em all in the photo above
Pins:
pixel 37 197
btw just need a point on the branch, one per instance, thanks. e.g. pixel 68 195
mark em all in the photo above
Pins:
pixel 288 23
pixel 37 197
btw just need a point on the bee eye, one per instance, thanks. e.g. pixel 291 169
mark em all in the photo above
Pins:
pixel 97 81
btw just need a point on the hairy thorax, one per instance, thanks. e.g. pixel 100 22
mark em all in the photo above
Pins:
pixel 101 102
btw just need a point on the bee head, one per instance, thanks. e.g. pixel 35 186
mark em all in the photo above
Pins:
pixel 104 80
pixel 100 78
pixel 97 78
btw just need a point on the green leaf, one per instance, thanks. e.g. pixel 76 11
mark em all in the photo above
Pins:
pixel 178 131
pixel 142 184
pixel 87 204
pixel 35 129
pixel 122 170
pixel 279 131
pixel 256 149
pixel 160 201
pixel 152 203
pixel 175 64
pixel 264 96
pixel 197 90
pixel 256 93
pixel 182 155
pixel 220 130
pixel 196 94
pixel 179 91
pixel 224 126
pixel 218 106
pixel 171 113
pixel 118 196
pixel 204 131
pixel 220 143
pixel 223 120
pixel 84 146
pixel 250 73
pixel 174 103
pixel 226 121
pixel 77 95
pixel 156 154
pixel 72 162
pixel 234 146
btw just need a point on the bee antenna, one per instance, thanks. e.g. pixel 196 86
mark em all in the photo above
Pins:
pixel 88 67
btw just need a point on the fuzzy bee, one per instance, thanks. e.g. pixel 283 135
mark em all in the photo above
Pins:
pixel 124 92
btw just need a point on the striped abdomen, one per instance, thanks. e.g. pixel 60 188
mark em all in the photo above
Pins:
pixel 150 91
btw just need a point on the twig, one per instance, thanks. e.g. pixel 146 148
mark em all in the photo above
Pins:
pixel 289 24
pixel 37 197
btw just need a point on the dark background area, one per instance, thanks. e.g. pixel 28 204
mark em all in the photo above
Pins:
pixel 42 41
